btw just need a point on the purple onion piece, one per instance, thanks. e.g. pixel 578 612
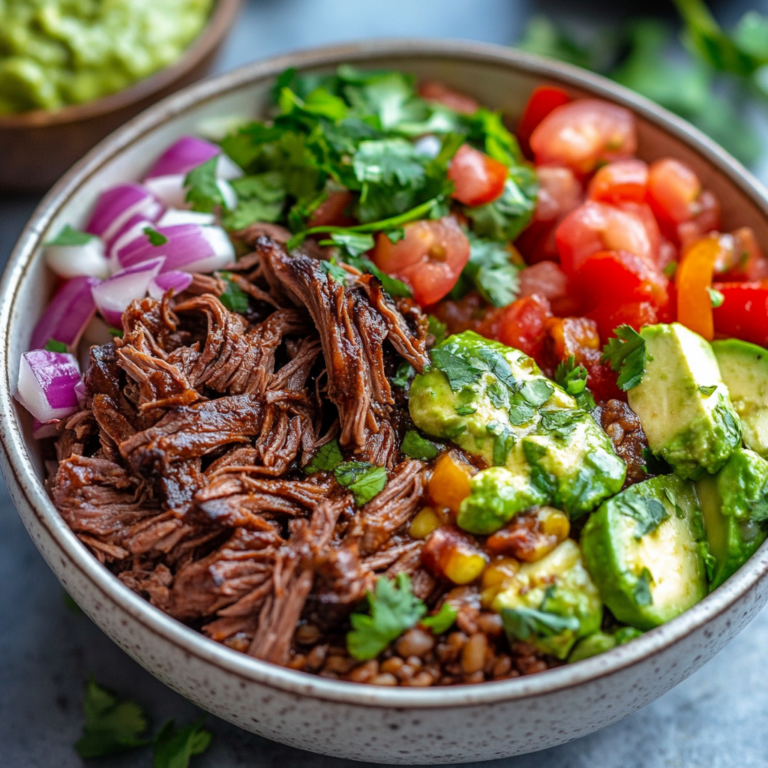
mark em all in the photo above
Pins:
pixel 67 315
pixel 182 156
pixel 113 295
pixel 47 385
pixel 169 281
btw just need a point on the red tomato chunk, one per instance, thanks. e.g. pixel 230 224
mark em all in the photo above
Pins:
pixel 477 178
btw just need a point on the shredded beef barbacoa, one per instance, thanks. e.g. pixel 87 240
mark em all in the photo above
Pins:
pixel 183 473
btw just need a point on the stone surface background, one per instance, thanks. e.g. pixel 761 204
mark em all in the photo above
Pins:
pixel 716 719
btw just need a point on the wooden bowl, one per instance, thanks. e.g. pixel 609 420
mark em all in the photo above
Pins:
pixel 37 147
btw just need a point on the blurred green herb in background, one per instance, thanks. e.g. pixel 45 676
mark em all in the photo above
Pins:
pixel 713 84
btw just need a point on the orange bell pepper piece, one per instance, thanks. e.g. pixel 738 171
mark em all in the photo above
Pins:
pixel 693 279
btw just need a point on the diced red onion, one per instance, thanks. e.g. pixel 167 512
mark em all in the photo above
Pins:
pixel 166 281
pixel 189 152
pixel 41 430
pixel 126 238
pixel 113 295
pixel 190 248
pixel 86 260
pixel 67 315
pixel 172 217
pixel 47 384
pixel 119 208
pixel 168 189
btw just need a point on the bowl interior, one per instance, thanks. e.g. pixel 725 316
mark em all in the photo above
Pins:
pixel 497 77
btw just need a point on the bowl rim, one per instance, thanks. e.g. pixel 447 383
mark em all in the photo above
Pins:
pixel 218 24
pixel 238 664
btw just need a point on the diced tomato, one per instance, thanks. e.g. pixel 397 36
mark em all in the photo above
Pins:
pixel 477 178
pixel 574 336
pixel 560 192
pixel 597 227
pixel 609 315
pixel 706 219
pixel 744 311
pixel 429 258
pixel 433 90
pixel 745 258
pixel 543 100
pixel 645 214
pixel 583 134
pixel 548 280
pixel 332 212
pixel 673 189
pixel 621 277
pixel 624 181
pixel 601 381
pixel 522 324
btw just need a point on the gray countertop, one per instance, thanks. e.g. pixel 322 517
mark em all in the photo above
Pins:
pixel 716 719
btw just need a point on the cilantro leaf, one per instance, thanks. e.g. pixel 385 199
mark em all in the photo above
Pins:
pixel 437 328
pixel 649 513
pixel 202 187
pixel 626 354
pixel 520 412
pixel 506 217
pixel 234 298
pixel 489 271
pixel 403 375
pixel 526 623
pixel 459 371
pixel 174 747
pixel 465 410
pixel 573 379
pixel 55 346
pixel 111 725
pixel 70 236
pixel 155 238
pixel 560 423
pixel 708 389
pixel 715 297
pixel 260 197
pixel 642 590
pixel 441 621
pixel 502 446
pixel 364 480
pixel 337 273
pixel 115 333
pixel 356 244
pixel 388 161
pixel 537 391
pixel 393 609
pixel 418 447
pixel 391 285
pixel 327 459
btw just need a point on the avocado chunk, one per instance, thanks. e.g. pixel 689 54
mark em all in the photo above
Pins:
pixel 744 368
pixel 645 549
pixel 551 603
pixel 735 505
pixel 494 402
pixel 682 402
pixel 600 642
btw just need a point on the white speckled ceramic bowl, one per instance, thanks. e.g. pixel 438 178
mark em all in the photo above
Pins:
pixel 444 725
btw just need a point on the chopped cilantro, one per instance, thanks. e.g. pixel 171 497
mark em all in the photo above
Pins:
pixel 502 446
pixel 417 447
pixel 670 270
pixel 520 411
pixel 337 273
pixel 234 298
pixel 708 389
pixel 716 298
pixel 642 590
pixel 573 379
pixel 55 346
pixel 489 271
pixel 260 197
pixel 560 423
pixel 174 747
pixel 70 236
pixel 155 238
pixel 648 513
pixel 498 395
pixel 465 410
pixel 391 285
pixel 202 187
pixel 441 621
pixel 111 725
pixel 387 161
pixel 537 391
pixel 403 375
pixel 115 333
pixel 393 609
pixel 526 623
pixel 458 370
pixel 626 354
pixel 327 459
pixel 364 480
pixel 354 243
pixel 507 216
pixel 437 328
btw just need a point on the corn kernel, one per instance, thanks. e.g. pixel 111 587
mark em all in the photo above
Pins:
pixel 424 523
pixel 449 484
pixel 553 522
pixel 499 571
pixel 465 567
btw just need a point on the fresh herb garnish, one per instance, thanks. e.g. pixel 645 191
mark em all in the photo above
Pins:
pixel 441 621
pixel 260 197
pixel 327 459
pixel 526 623
pixel 560 423
pixel 507 216
pixel 520 411
pixel 365 480
pixel 459 371
pixel 393 609
pixel 437 328
pixel 502 446
pixel 403 375
pixel 626 354
pixel 155 238
pixel 573 379
pixel 55 346
pixel 489 271
pixel 203 193
pixel 537 391
pixel 175 747
pixel 418 447
pixel 333 270
pixel 642 590
pixel 465 410
pixel 715 297
pixel 648 513
pixel 111 725
pixel 234 298
pixel 115 333
pixel 708 390
pixel 70 236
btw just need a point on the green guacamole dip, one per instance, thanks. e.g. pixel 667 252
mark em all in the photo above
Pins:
pixel 59 52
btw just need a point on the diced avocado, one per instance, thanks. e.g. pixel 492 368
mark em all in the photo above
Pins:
pixel 494 402
pixel 645 550
pixel 682 402
pixel 600 642
pixel 744 368
pixel 735 504
pixel 551 603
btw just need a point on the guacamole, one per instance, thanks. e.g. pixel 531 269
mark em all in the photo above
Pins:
pixel 59 52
